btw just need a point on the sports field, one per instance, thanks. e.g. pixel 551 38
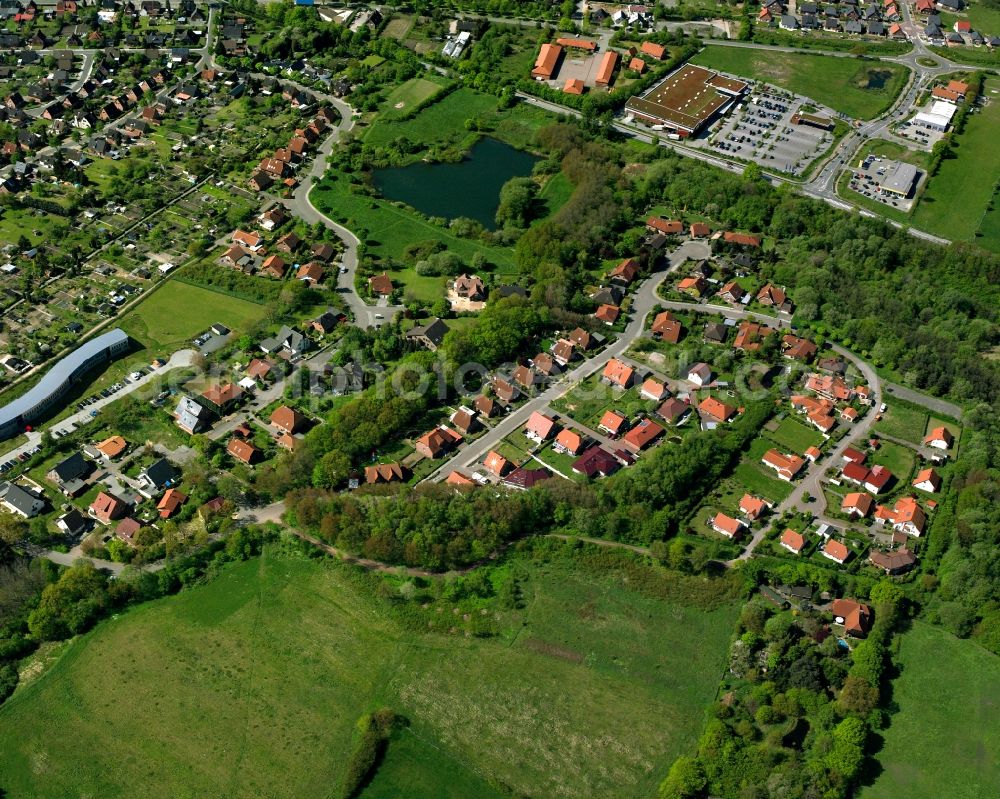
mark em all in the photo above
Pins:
pixel 945 737
pixel 862 90
pixel 956 199
pixel 251 686
pixel 177 312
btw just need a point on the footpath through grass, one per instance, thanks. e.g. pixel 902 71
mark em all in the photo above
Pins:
pixel 252 685
pixel 859 88
pixel 944 739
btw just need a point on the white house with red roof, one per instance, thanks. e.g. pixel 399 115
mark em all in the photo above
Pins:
pixel 939 438
pixel 792 541
pixel 928 480
pixel 727 526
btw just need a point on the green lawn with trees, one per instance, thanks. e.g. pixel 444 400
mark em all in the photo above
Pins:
pixel 861 89
pixel 943 739
pixel 253 684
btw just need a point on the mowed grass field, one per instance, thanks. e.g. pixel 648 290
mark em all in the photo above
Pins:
pixel 177 312
pixel 795 436
pixel 404 97
pixel 945 738
pixel 436 123
pixel 956 199
pixel 251 686
pixel 840 83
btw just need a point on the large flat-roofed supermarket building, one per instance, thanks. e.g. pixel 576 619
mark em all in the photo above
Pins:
pixel 56 382
pixel 686 100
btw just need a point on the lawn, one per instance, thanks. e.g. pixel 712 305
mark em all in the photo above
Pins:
pixel 903 421
pixel 794 436
pixel 944 739
pixel 177 312
pixel 840 83
pixel 407 95
pixel 896 458
pixel 252 685
pixel 756 478
pixel 984 19
pixel 436 123
pixel 955 201
pixel 556 192
pixel 413 767
pixel 391 229
pixel 757 481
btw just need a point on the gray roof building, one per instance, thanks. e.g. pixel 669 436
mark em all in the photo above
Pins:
pixel 159 474
pixel 190 415
pixel 21 501
pixel 288 340
pixel 430 335
pixel 32 405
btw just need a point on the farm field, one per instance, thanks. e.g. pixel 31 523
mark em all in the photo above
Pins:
pixel 177 312
pixel 593 691
pixel 944 739
pixel 840 83
pixel 957 197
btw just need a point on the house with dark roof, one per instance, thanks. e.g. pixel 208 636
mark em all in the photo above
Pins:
pixel 522 479
pixel 20 501
pixel 596 462
pixel 160 474
pixel 429 335
pixel 69 474
pixel 73 523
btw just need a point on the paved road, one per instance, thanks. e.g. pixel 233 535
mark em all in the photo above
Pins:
pixel 301 205
pixel 75 554
pixel 643 301
pixel 811 484
pixel 181 358
pixel 934 404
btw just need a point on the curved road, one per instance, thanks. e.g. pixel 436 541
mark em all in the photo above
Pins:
pixel 301 205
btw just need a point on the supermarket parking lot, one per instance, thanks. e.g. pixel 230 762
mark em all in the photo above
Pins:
pixel 761 130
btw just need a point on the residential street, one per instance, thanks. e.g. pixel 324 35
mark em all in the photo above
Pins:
pixel 642 303
pixel 365 315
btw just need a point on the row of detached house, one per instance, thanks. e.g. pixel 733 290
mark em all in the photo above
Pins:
pixel 279 168
pixel 249 252
pixel 849 16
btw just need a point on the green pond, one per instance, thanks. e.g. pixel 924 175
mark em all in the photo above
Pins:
pixel 469 188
